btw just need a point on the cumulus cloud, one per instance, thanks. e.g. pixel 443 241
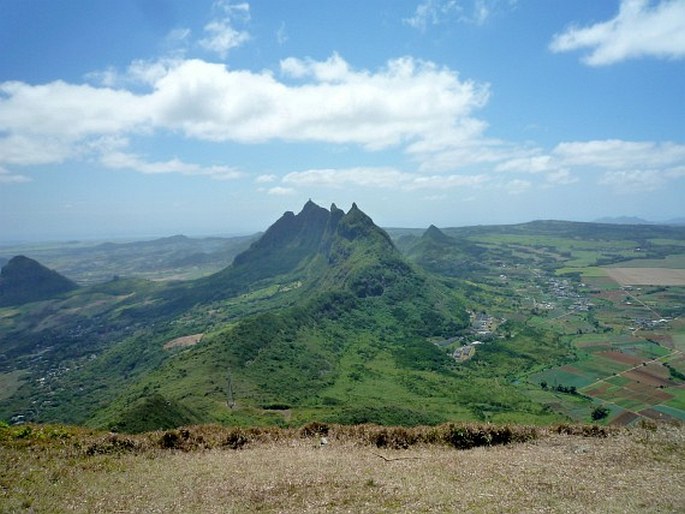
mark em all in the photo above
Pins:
pixel 406 102
pixel 67 111
pixel 221 33
pixel 641 28
pixel 421 109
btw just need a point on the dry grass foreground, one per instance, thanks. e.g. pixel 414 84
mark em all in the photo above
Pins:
pixel 361 469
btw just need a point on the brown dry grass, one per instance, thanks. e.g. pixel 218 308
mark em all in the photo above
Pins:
pixel 637 470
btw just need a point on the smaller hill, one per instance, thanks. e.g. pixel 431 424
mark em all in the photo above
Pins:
pixel 23 280
pixel 439 253
pixel 152 413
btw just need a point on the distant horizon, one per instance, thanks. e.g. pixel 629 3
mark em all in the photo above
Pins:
pixel 123 237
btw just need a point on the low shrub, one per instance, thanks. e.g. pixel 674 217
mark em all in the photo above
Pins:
pixel 113 444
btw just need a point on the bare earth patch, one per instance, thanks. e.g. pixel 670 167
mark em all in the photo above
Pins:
pixel 183 341
pixel 647 276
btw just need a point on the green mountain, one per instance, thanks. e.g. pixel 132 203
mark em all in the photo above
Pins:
pixel 23 280
pixel 357 320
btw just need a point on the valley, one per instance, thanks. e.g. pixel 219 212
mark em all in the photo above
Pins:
pixel 326 317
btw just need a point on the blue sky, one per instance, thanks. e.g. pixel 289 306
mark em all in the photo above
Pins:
pixel 156 117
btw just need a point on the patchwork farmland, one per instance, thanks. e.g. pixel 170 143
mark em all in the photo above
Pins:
pixel 631 364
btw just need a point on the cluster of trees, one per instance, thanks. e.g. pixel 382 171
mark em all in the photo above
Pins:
pixel 559 388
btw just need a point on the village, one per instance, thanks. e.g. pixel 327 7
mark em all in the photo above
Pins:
pixel 480 331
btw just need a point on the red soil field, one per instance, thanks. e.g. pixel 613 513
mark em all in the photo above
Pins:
pixel 598 390
pixel 645 393
pixel 621 357
pixel 625 418
pixel 650 375
pixel 655 414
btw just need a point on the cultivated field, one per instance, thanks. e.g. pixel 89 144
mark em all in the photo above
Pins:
pixel 647 276
pixel 636 470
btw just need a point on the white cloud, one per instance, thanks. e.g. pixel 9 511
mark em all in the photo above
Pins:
pixel 7 177
pixel 561 177
pixel 32 149
pixel 616 154
pixel 334 69
pixel 633 181
pixel 517 186
pixel 122 160
pixel 67 112
pixel 641 28
pixel 432 12
pixel 533 164
pixel 437 12
pixel 406 102
pixel 675 173
pixel 550 167
pixel 148 73
pixel 384 178
pixel 178 35
pixel 266 179
pixel 222 35
pixel 338 178
pixel 622 165
pixel 417 107
pixel 108 77
pixel 281 34
pixel 280 191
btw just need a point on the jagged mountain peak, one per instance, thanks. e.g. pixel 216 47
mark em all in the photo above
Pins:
pixel 356 224
pixel 314 234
